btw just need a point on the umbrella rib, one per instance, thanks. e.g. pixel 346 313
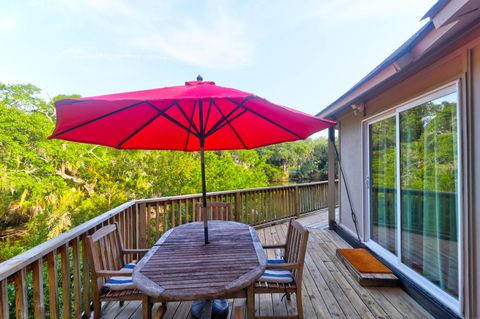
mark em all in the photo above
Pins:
pixel 174 121
pixel 222 120
pixel 138 130
pixel 226 123
pixel 208 113
pixel 229 123
pixel 171 119
pixel 98 118
pixel 160 112
pixel 188 136
pixel 190 121
pixel 267 119
pixel 175 102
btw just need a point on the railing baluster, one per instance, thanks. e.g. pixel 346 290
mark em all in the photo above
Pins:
pixel 157 221
pixel 66 296
pixel 54 308
pixel 4 310
pixel 172 213
pixel 21 304
pixel 86 278
pixel 135 224
pixel 142 231
pixel 76 279
pixel 179 212
pixel 148 224
pixel 238 207
pixel 38 296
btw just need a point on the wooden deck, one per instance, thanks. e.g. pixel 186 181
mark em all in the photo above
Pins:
pixel 329 289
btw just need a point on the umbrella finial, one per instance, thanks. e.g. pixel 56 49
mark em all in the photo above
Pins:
pixel 199 78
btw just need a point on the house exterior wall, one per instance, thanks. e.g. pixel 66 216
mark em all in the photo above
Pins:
pixel 473 219
pixel 460 63
pixel 350 148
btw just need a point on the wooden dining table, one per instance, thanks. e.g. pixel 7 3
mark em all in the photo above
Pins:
pixel 181 267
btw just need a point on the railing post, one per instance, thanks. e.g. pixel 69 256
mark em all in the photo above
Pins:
pixel 331 177
pixel 296 201
pixel 237 207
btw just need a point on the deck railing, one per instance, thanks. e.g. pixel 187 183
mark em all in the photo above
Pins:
pixel 53 279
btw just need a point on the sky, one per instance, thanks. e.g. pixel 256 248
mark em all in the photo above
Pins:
pixel 301 54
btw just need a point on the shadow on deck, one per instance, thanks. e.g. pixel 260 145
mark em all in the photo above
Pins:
pixel 329 290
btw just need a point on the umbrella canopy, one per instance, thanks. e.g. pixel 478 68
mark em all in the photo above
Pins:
pixel 197 116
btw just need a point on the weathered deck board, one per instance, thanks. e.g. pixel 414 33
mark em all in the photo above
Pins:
pixel 329 289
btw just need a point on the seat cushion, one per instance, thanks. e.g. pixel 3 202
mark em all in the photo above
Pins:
pixel 129 266
pixel 121 282
pixel 277 275
pixel 275 261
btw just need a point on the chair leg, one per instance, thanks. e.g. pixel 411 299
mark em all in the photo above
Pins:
pixel 288 296
pixel 238 313
pixel 97 308
pixel 121 303
pixel 298 297
pixel 146 307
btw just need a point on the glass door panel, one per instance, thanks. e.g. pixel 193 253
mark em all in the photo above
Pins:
pixel 428 187
pixel 383 193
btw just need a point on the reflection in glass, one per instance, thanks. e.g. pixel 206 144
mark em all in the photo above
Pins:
pixel 382 180
pixel 429 183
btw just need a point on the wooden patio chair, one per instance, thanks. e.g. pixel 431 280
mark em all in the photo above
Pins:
pixel 215 210
pixel 284 275
pixel 111 275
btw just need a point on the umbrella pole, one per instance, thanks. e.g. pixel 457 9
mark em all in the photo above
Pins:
pixel 204 195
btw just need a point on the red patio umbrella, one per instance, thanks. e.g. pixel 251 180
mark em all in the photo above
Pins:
pixel 197 116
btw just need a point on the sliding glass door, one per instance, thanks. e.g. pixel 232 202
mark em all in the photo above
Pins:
pixel 383 193
pixel 413 172
pixel 428 185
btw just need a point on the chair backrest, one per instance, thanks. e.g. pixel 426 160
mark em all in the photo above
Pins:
pixel 296 247
pixel 105 250
pixel 215 210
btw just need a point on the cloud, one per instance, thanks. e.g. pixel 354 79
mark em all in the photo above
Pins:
pixel 7 23
pixel 218 45
pixel 90 6
pixel 341 11
pixel 209 36
pixel 86 54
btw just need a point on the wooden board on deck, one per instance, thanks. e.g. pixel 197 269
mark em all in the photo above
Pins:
pixel 369 279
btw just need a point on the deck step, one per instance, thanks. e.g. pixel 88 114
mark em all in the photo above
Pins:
pixel 369 279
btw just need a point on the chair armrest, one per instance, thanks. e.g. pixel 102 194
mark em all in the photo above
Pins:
pixel 283 266
pixel 114 273
pixel 274 246
pixel 135 251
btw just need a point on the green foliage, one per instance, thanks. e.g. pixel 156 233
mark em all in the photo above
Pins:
pixel 48 186
pixel 428 148
pixel 307 159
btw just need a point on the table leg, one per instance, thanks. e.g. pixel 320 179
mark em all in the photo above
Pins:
pixel 250 302
pixel 146 307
